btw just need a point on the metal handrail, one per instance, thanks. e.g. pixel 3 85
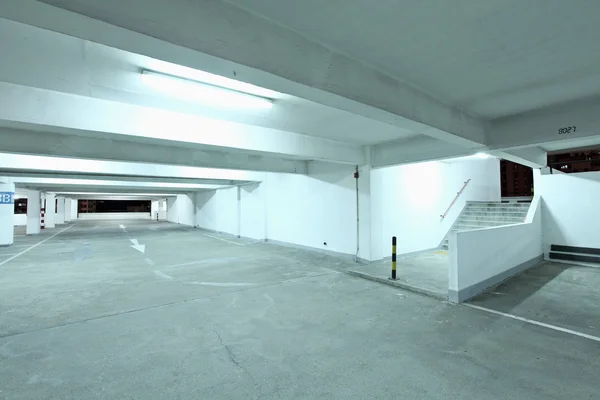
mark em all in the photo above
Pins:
pixel 455 198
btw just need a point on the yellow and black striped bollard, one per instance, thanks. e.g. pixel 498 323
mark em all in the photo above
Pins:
pixel 393 258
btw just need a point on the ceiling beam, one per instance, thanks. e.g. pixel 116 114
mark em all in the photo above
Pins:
pixel 90 116
pixel 417 149
pixel 566 124
pixel 114 148
pixel 533 157
pixel 254 50
pixel 121 178
pixel 74 184
pixel 11 164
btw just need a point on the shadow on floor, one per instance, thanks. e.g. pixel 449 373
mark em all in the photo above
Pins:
pixel 426 273
pixel 564 295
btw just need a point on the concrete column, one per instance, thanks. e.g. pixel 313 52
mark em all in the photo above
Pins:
pixel 33 212
pixel 74 209
pixel 50 216
pixel 67 210
pixel 154 210
pixel 60 211
pixel 7 212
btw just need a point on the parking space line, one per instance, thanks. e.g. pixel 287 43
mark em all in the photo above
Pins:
pixel 538 323
pixel 34 246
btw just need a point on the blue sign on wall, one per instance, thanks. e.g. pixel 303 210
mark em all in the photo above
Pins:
pixel 7 197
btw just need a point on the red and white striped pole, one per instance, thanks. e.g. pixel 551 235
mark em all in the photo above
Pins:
pixel 42 224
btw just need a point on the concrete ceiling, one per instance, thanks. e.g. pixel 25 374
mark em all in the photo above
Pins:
pixel 48 60
pixel 400 82
pixel 493 58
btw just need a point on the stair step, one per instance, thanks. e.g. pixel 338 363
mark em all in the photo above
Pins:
pixel 506 213
pixel 496 204
pixel 496 210
pixel 501 206
pixel 493 220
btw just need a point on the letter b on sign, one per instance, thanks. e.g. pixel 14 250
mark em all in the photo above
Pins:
pixel 6 197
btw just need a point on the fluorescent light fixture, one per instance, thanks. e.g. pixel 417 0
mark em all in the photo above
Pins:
pixel 203 92
pixel 481 155
pixel 205 77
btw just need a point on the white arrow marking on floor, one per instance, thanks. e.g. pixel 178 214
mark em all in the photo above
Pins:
pixel 139 247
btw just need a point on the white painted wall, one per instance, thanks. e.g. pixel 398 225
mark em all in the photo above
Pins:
pixel 220 210
pixel 181 209
pixel 7 213
pixel 172 209
pixel 480 255
pixel 20 220
pixel 321 207
pixel 33 212
pixel 305 210
pixel 50 213
pixel 60 211
pixel 310 210
pixel 115 215
pixel 252 211
pixel 570 208
pixel 154 209
pixel 407 201
pixel 74 209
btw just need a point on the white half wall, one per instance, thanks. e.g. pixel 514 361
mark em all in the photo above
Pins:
pixel 482 258
pixel 407 201
pixel 181 209
pixel 20 220
pixel 570 208
pixel 115 215
pixel 68 209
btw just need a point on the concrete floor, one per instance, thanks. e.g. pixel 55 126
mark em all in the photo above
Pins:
pixel 86 316
pixel 564 295
pixel 425 273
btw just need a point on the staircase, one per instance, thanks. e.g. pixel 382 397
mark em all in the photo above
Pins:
pixel 485 215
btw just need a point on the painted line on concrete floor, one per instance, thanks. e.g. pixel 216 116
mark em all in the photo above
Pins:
pixel 163 275
pixel 224 240
pixel 34 246
pixel 533 322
